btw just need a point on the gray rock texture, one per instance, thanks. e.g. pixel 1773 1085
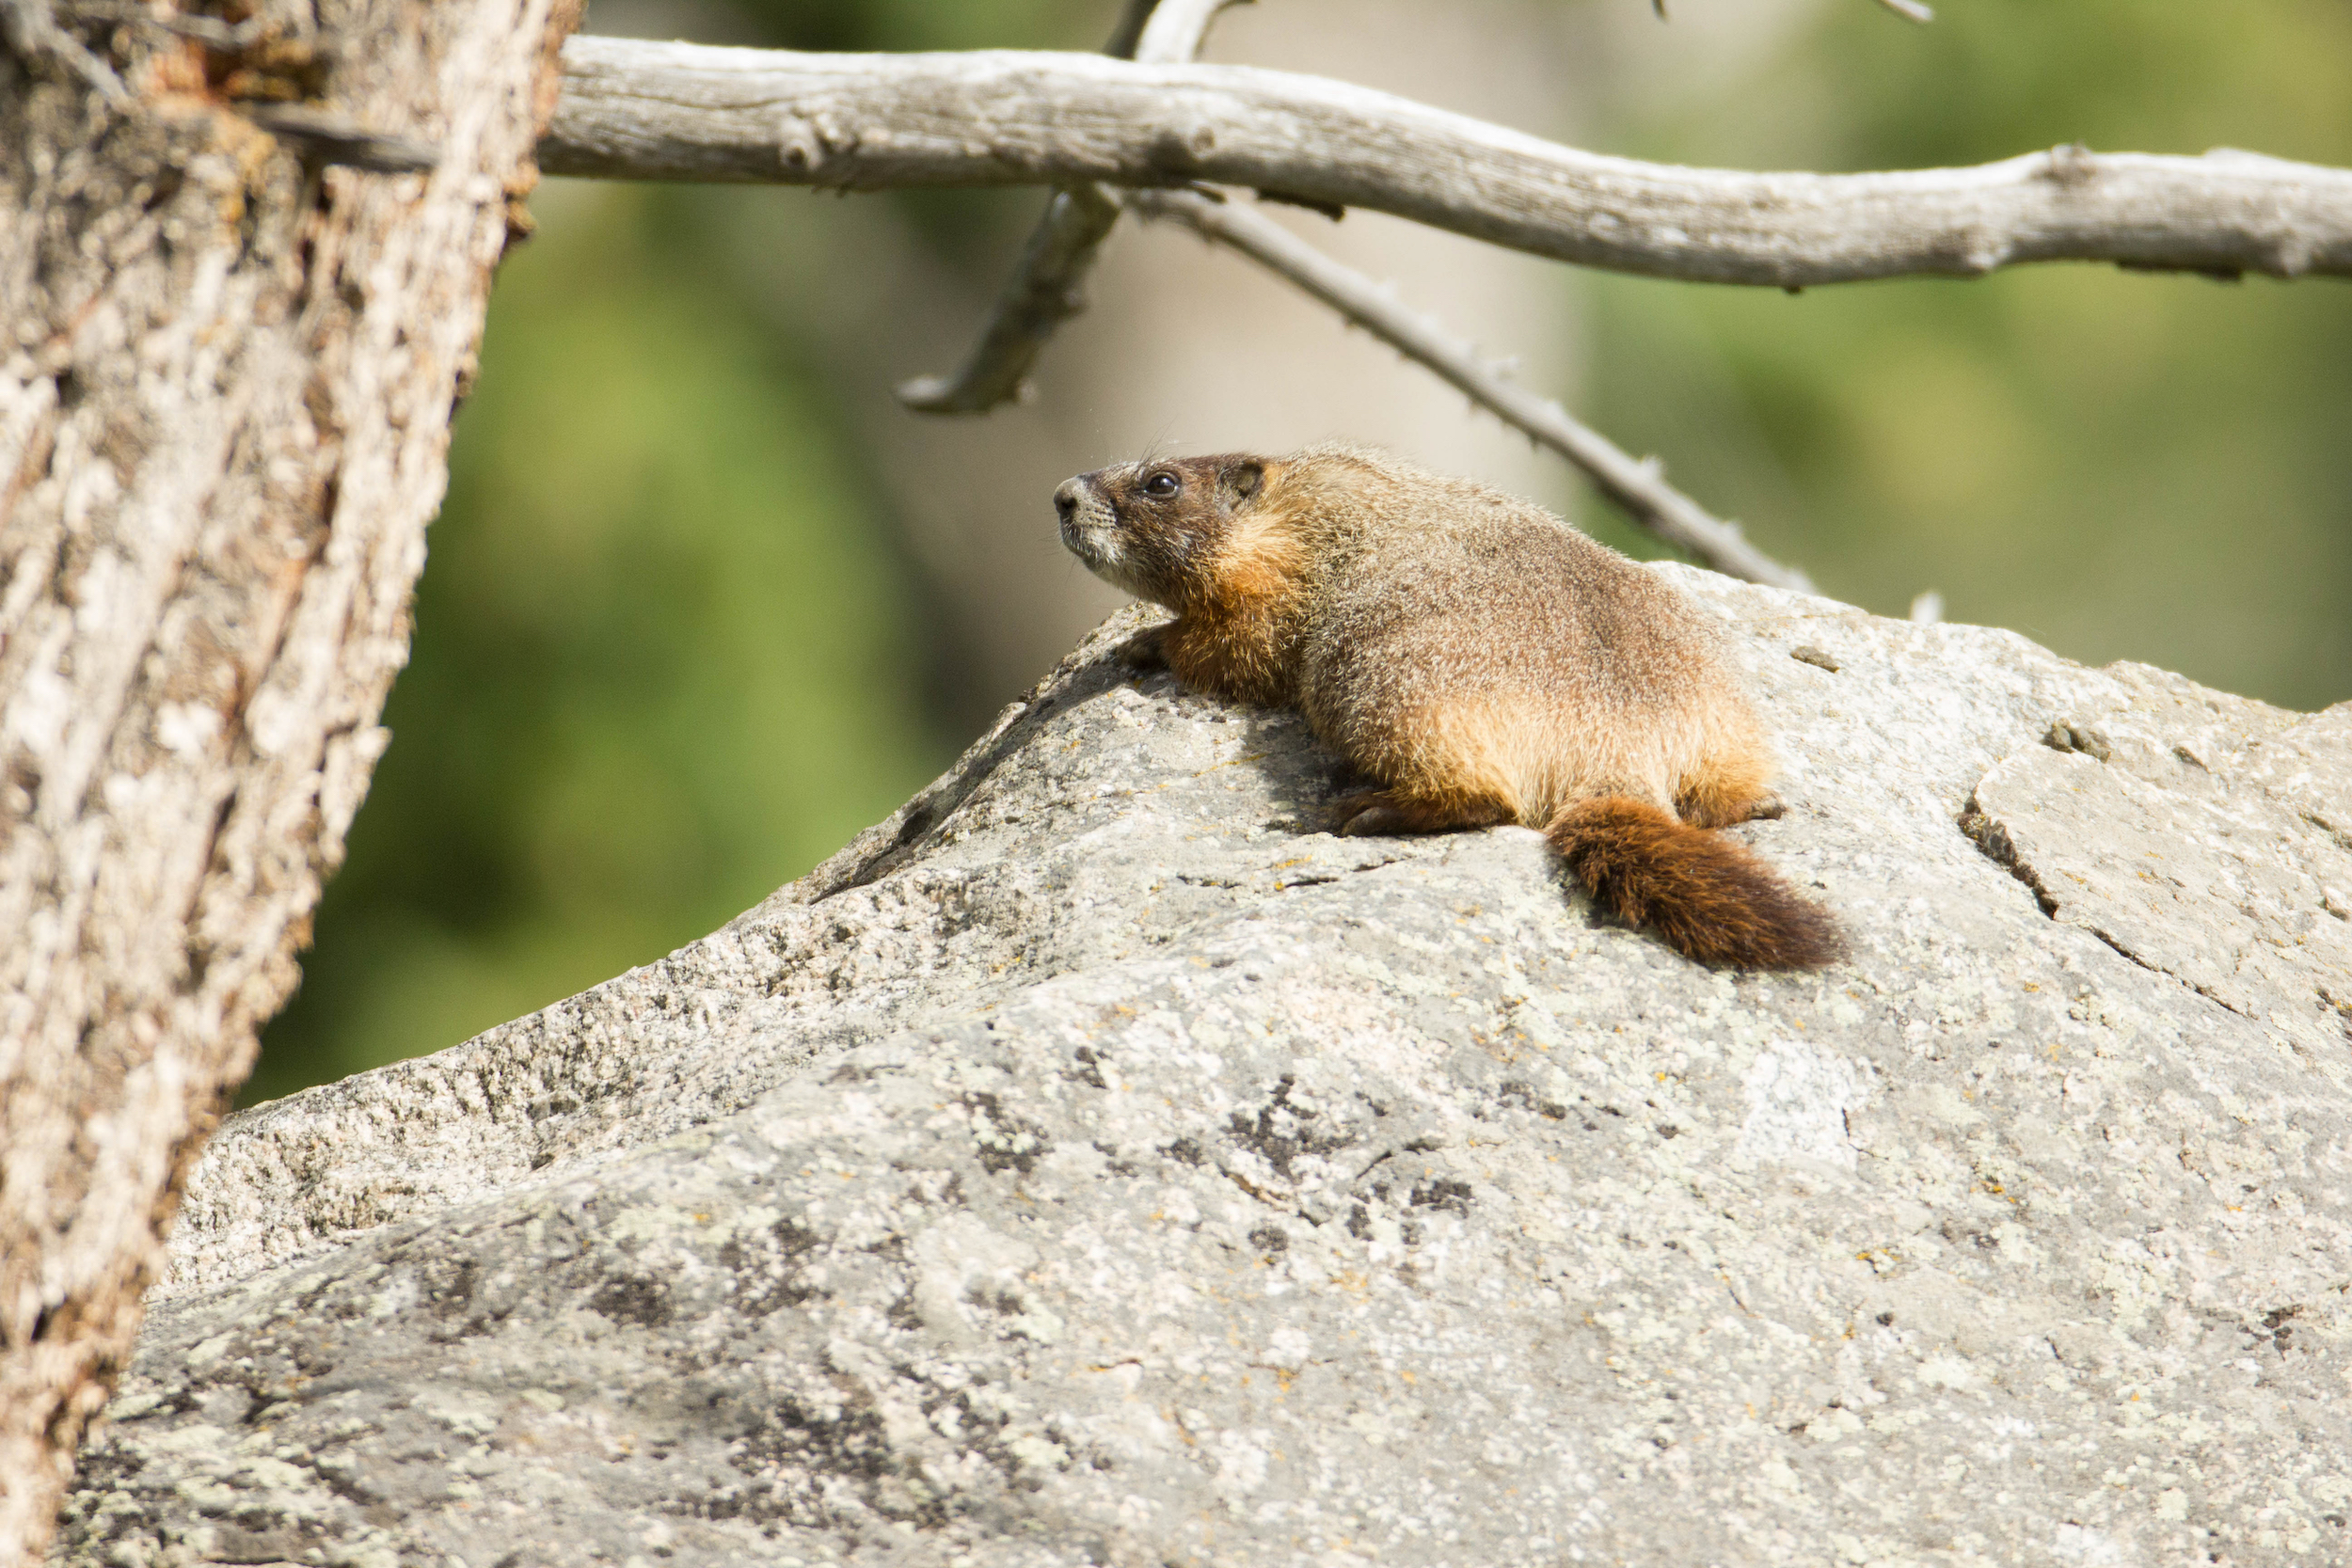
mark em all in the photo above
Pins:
pixel 1097 1162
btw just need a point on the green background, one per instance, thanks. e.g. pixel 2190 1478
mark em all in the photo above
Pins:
pixel 670 649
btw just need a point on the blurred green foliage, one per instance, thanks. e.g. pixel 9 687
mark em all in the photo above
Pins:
pixel 664 658
pixel 2120 466
pixel 667 655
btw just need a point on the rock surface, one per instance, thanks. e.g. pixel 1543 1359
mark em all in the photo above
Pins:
pixel 1098 1163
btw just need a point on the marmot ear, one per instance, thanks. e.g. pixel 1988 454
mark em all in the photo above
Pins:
pixel 1240 481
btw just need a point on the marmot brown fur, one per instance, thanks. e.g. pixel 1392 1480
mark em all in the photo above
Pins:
pixel 1473 656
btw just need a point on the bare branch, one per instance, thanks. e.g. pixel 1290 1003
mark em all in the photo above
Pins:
pixel 675 111
pixel 30 30
pixel 1636 485
pixel 1124 37
pixel 1048 287
pixel 1043 292
pixel 1174 34
pixel 327 137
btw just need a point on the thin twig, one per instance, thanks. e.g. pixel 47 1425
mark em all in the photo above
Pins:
pixel 1177 29
pixel 210 31
pixel 1637 486
pixel 1044 291
pixel 327 137
pixel 1048 286
pixel 667 111
pixel 30 30
pixel 1132 16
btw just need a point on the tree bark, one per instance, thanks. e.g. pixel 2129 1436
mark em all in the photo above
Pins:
pixel 225 382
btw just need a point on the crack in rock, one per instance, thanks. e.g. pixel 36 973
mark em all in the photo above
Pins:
pixel 2193 856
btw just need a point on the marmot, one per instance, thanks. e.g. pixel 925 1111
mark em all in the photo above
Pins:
pixel 1476 658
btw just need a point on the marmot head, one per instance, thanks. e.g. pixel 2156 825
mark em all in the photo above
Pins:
pixel 1156 527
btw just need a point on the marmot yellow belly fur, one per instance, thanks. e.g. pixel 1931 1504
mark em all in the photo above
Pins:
pixel 1476 658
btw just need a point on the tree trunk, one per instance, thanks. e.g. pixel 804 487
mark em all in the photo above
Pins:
pixel 225 392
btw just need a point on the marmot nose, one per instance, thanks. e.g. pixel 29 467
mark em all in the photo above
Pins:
pixel 1065 500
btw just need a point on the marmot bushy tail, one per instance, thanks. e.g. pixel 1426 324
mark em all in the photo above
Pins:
pixel 1707 897
pixel 1474 658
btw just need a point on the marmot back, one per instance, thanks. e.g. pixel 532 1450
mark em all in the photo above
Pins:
pixel 1478 659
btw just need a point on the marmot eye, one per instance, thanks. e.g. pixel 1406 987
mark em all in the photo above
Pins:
pixel 1162 485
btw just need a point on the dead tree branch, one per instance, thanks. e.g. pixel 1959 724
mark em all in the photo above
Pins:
pixel 1636 485
pixel 1177 29
pixel 675 111
pixel 1046 290
pixel 1047 287
pixel 29 29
